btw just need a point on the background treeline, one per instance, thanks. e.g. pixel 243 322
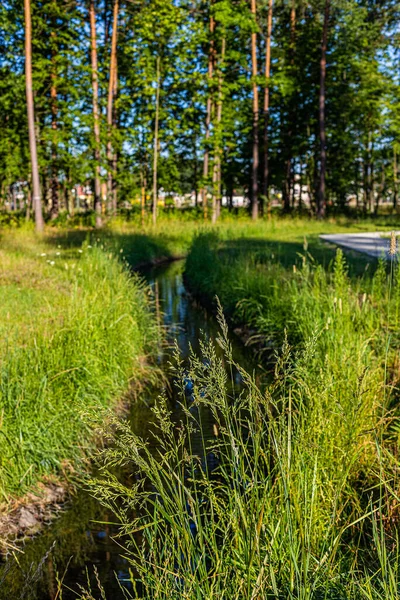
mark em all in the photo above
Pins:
pixel 210 97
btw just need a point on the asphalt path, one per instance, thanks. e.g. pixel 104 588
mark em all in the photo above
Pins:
pixel 374 244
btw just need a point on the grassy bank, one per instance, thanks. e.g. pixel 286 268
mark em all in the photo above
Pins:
pixel 295 495
pixel 74 330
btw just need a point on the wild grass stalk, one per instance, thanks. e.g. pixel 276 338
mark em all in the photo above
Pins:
pixel 274 502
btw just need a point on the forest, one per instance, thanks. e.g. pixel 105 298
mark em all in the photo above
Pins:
pixel 199 300
pixel 284 105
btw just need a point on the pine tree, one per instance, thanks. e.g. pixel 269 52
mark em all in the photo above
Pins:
pixel 36 195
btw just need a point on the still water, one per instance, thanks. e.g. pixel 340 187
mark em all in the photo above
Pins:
pixel 79 546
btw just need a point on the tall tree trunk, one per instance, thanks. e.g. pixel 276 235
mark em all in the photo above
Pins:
pixel 211 60
pixel 371 186
pixel 216 199
pixel 321 198
pixel 265 196
pixel 254 170
pixel 155 148
pixel 115 155
pixel 381 192
pixel 195 173
pixel 287 184
pixel 55 187
pixel 112 87
pixel 395 181
pixel 143 197
pixel 36 196
pixel 365 185
pixel 96 120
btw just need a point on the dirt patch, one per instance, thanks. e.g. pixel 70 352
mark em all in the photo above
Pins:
pixel 27 515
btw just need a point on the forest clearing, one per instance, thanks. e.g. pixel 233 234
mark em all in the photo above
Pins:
pixel 199 300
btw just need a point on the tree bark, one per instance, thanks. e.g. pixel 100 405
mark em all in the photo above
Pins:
pixel 155 147
pixel 321 198
pixel 36 195
pixel 216 199
pixel 254 170
pixel 291 116
pixel 112 87
pixel 211 60
pixel 395 180
pixel 115 155
pixel 54 185
pixel 265 195
pixel 143 199
pixel 96 120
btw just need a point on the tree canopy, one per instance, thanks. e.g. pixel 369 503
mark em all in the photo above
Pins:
pixel 204 60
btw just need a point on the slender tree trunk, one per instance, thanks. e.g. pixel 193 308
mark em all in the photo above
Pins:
pixel 155 148
pixel 36 196
pixel 195 173
pixel 112 86
pixel 321 199
pixel 365 186
pixel 381 193
pixel 115 155
pixel 216 200
pixel 96 120
pixel 28 206
pixel 211 60
pixel 143 198
pixel 55 187
pixel 371 186
pixel 395 181
pixel 356 184
pixel 69 199
pixel 265 196
pixel 214 193
pixel 287 184
pixel 254 171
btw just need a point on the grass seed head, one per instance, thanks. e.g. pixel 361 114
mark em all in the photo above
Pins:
pixel 393 244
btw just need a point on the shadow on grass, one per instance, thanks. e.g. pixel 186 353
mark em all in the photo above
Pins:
pixel 138 249
pixel 291 253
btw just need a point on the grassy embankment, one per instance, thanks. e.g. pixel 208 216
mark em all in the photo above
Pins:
pixel 304 501
pixel 75 328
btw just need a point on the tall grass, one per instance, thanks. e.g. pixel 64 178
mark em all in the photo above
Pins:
pixel 270 502
pixel 293 491
pixel 76 329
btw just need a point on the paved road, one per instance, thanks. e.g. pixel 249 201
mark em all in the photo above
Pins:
pixel 373 244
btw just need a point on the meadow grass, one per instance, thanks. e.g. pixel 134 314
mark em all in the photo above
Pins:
pixel 294 495
pixel 75 328
pixel 274 503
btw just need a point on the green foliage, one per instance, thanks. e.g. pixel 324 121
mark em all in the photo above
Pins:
pixel 362 108
pixel 76 326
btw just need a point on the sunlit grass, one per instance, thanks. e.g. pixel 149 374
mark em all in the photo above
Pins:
pixel 74 328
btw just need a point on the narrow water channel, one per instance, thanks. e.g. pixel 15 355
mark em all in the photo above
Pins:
pixel 78 546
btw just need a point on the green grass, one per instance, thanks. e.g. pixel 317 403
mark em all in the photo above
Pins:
pixel 289 496
pixel 75 327
pixel 302 502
